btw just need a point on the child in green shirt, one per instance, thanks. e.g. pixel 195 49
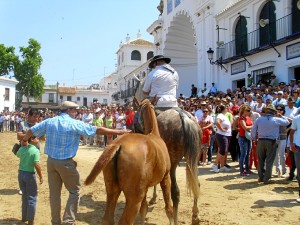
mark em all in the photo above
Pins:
pixel 28 166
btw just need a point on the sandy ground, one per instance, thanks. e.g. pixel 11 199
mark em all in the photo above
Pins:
pixel 226 198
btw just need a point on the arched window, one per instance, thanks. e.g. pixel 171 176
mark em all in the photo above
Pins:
pixel 150 55
pixel 241 43
pixel 136 55
pixel 295 17
pixel 267 33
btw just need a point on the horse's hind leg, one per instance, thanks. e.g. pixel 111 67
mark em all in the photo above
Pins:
pixel 175 194
pixel 154 196
pixel 165 185
pixel 195 217
pixel 143 210
pixel 132 206
pixel 113 192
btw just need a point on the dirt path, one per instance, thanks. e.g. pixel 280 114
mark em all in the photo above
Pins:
pixel 226 198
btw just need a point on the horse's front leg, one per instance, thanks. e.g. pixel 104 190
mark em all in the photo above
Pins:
pixel 154 196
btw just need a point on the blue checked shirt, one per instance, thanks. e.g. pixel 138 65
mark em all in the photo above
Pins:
pixel 62 135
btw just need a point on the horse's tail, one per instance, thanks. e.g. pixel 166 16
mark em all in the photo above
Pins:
pixel 102 162
pixel 192 138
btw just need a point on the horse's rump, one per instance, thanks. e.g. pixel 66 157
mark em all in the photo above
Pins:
pixel 128 152
pixel 182 127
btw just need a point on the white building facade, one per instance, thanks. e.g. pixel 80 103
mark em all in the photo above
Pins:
pixel 7 94
pixel 133 58
pixel 256 37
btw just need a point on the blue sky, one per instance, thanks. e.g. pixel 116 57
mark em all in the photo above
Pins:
pixel 79 38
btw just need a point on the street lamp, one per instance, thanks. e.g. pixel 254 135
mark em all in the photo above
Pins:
pixel 218 62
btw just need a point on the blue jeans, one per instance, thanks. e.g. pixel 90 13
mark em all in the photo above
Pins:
pixel 27 182
pixel 210 149
pixel 297 161
pixel 245 147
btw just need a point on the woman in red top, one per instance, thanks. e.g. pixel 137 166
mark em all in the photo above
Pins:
pixel 245 125
pixel 129 117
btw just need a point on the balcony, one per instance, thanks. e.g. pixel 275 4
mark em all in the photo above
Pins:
pixel 269 36
pixel 128 93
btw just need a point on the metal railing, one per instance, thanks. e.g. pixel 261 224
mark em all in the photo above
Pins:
pixel 124 93
pixel 270 35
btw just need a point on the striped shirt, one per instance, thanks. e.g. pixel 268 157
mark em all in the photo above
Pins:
pixel 62 135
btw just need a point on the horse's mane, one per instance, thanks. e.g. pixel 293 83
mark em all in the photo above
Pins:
pixel 139 94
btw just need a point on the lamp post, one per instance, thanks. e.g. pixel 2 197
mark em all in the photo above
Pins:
pixel 218 62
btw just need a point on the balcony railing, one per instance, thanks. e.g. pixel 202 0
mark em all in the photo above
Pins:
pixel 269 36
pixel 124 94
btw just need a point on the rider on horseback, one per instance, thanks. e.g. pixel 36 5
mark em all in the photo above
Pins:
pixel 162 81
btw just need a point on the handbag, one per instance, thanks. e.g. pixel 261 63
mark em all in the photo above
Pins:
pixel 248 135
pixel 15 148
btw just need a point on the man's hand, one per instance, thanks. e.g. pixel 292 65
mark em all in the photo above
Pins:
pixel 125 131
pixel 293 147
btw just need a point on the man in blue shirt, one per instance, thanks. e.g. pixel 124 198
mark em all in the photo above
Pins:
pixel 62 140
pixel 266 131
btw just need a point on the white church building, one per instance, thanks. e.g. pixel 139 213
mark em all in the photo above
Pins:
pixel 256 37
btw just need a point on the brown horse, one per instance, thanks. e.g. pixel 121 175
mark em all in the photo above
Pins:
pixel 182 135
pixel 132 163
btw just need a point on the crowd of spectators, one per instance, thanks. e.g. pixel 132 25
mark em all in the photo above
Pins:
pixel 239 103
pixel 111 116
pixel 204 107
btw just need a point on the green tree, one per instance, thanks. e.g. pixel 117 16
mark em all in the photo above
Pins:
pixel 7 59
pixel 26 70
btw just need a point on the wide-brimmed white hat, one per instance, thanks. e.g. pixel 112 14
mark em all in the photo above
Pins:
pixel 68 105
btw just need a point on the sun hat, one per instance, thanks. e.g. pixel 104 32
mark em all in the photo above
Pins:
pixel 270 109
pixel 159 57
pixel 290 99
pixel 280 92
pixel 69 105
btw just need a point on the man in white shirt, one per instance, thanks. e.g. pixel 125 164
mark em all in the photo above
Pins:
pixel 279 100
pixel 250 101
pixel 290 109
pixel 295 147
pixel 162 81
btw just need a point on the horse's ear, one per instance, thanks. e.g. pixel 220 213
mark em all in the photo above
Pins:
pixel 136 102
pixel 154 100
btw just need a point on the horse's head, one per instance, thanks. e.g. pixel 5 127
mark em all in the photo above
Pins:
pixel 146 113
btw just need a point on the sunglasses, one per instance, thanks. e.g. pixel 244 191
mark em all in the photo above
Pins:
pixel 280 109
pixel 248 110
pixel 205 111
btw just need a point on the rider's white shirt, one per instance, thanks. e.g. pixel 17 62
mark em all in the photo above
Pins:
pixel 163 83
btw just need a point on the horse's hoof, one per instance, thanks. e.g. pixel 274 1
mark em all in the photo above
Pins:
pixel 195 221
pixel 152 202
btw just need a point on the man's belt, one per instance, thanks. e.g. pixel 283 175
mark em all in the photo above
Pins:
pixel 266 139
